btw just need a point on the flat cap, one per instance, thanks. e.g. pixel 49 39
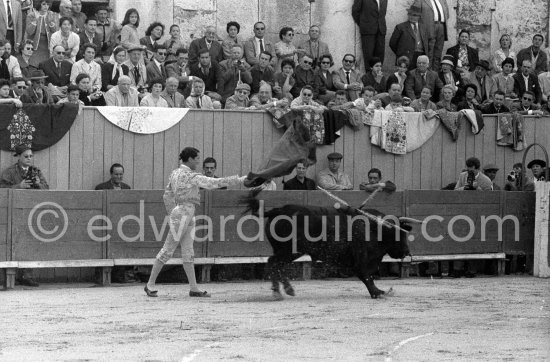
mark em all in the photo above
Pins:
pixel 335 156
pixel 490 166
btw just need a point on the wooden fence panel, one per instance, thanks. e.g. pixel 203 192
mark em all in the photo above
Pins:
pixel 5 239
pixel 521 205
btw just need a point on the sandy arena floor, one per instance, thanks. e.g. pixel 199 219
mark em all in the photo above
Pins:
pixel 485 319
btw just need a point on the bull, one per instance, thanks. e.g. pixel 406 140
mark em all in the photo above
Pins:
pixel 343 236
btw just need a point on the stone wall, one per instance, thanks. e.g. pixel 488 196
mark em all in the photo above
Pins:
pixel 488 19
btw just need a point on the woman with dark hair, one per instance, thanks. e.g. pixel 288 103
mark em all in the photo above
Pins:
pixel 27 62
pixel 375 78
pixel 504 81
pixel 464 55
pixel 41 24
pixel 285 49
pixel 323 79
pixel 504 52
pixel 174 43
pixel 469 101
pixel 283 80
pixel 399 77
pixel 129 35
pixel 154 32
pixel 66 38
pixel 89 99
pixel 153 98
pixel 113 69
pixel 233 28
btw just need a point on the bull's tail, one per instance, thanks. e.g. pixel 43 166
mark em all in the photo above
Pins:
pixel 252 202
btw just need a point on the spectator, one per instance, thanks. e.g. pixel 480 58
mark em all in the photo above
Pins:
pixel 180 69
pixel 78 16
pixel 234 71
pixel 19 86
pixel 305 101
pixel 485 84
pixel 89 94
pixel 514 179
pixel 264 99
pixel 14 70
pixel 209 71
pixel 41 24
pixel 340 101
pixel 262 72
pixel 370 16
pixel 113 69
pixel 300 181
pixel 174 43
pixel 66 9
pixel 537 167
pixel 285 49
pixel 136 68
pixel 366 101
pixel 385 99
pixel 446 101
pixel 527 105
pixel 434 16
pixel 504 52
pixel 472 178
pixel 497 106
pixel 464 55
pixel 24 59
pixel 233 28
pixel 115 182
pixel 5 96
pixel 374 182
pixel 396 104
pixel 151 40
pixel 544 81
pixel 504 81
pixel 527 81
pixel 284 80
pixel 66 38
pixel 173 98
pixel 424 103
pixel 89 35
pixel 155 69
pixel 253 47
pixel 375 78
pixel 11 30
pixel 347 78
pixel 331 178
pixel 315 48
pixel 303 75
pixel 58 70
pixel 240 99
pixel 535 55
pixel 88 66
pixel 208 42
pixel 73 96
pixel 37 93
pixel 209 166
pixel 123 95
pixel 470 98
pixel 323 79
pixel 448 76
pixel 422 77
pixel 108 31
pixel 198 99
pixel 16 177
pixel 400 75
pixel 490 171
pixel 411 38
pixel 129 37
pixel 153 98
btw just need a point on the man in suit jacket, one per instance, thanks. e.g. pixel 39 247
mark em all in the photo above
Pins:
pixel 37 93
pixel 155 68
pixel 11 23
pixel 314 47
pixel 527 106
pixel 410 38
pixel 115 182
pixel 209 42
pixel 209 71
pixel 254 46
pixel 422 77
pixel 89 35
pixel 123 95
pixel 174 98
pixel 136 68
pixel 485 84
pixel 370 16
pixel 526 80
pixel 347 78
pixel 535 54
pixel 57 70
pixel 435 20
pixel 497 106
pixel 472 54
pixel 180 68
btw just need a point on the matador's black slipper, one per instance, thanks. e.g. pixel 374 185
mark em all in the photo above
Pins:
pixel 199 294
pixel 151 293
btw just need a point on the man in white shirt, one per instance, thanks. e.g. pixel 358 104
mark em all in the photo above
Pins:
pixel 123 95
pixel 137 71
pixel 254 46
pixel 11 22
pixel 88 66
pixel 435 15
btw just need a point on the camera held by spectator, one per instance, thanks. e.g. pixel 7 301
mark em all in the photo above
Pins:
pixel 470 179
pixel 33 177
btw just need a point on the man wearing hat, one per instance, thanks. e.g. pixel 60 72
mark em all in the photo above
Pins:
pixel 490 171
pixel 37 93
pixel 240 99
pixel 331 178
pixel 538 168
pixel 410 38
pixel 485 85
pixel 448 75
pixel 137 71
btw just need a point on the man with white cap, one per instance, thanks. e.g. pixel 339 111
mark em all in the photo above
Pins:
pixel 490 171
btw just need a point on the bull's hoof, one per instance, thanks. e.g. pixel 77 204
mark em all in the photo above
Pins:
pixel 277 296
pixel 289 290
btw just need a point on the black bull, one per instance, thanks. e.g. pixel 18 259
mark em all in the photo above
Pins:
pixel 362 247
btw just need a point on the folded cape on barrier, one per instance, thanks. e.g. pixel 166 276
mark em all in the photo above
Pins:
pixel 145 120
pixel 37 125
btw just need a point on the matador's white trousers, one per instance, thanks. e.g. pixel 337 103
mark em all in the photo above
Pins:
pixel 182 230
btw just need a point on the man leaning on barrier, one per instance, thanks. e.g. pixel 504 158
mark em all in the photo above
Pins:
pixel 24 175
pixel 180 197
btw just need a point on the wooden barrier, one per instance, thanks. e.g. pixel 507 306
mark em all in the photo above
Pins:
pixel 240 141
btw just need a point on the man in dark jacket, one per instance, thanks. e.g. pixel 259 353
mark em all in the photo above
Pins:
pixel 115 183
pixel 300 181
pixel 410 38
pixel 370 16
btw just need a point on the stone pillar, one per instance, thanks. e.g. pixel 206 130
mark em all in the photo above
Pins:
pixel 541 267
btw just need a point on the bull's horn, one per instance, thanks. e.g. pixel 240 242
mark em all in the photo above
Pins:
pixel 410 219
